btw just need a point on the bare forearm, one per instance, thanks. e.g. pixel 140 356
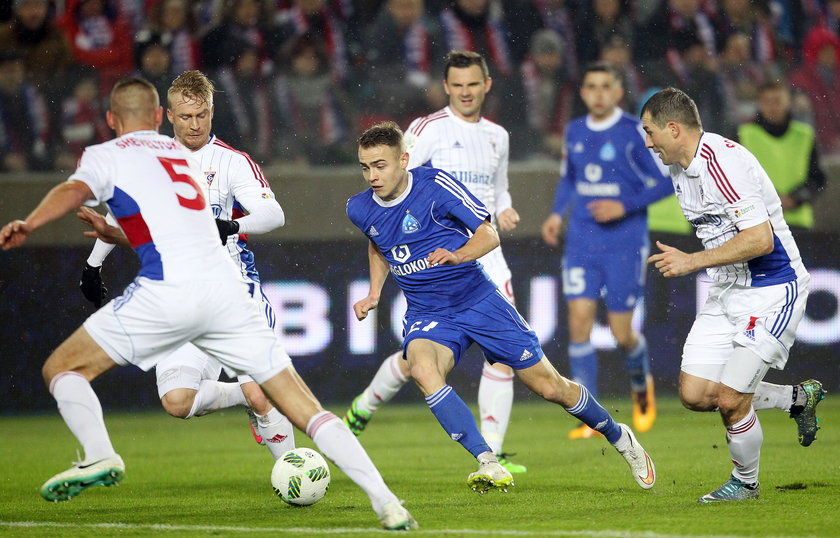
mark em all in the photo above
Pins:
pixel 378 270
pixel 483 241
pixel 62 199
pixel 748 244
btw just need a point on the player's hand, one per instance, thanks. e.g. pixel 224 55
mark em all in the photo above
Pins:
pixel 14 234
pixel 672 262
pixel 92 286
pixel 361 308
pixel 100 228
pixel 606 210
pixel 441 256
pixel 551 230
pixel 507 219
pixel 226 228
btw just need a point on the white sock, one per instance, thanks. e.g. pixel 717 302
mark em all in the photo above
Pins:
pixel 215 395
pixel 770 396
pixel 80 408
pixel 277 431
pixel 744 439
pixel 495 399
pixel 338 444
pixel 385 384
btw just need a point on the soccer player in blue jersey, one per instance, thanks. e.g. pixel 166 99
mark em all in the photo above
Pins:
pixel 609 178
pixel 427 230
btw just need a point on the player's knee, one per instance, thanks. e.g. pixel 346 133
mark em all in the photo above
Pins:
pixel 255 399
pixel 178 405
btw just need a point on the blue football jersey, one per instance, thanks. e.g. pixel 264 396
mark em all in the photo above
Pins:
pixel 435 211
pixel 608 160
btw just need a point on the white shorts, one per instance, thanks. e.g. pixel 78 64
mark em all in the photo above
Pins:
pixel 763 320
pixel 497 269
pixel 152 318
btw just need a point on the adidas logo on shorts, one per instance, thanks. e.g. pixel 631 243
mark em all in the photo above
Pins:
pixel 526 355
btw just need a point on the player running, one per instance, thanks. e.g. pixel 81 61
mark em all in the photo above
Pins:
pixel 187 290
pixel 474 151
pixel 428 230
pixel 759 289
pixel 242 203
pixel 609 178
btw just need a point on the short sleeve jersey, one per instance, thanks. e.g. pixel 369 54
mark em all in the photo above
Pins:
pixel 151 186
pixel 725 190
pixel 474 153
pixel 435 211
pixel 232 181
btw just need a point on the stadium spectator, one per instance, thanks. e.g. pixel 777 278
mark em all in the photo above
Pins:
pixel 818 79
pixel 528 16
pixel 740 76
pixel 173 24
pixel 608 180
pixel 787 150
pixel 99 38
pixel 24 119
pixel 548 95
pixel 82 119
pixel 598 23
pixel 313 118
pixel 675 22
pixel 619 54
pixel 753 20
pixel 154 62
pixel 402 50
pixel 243 22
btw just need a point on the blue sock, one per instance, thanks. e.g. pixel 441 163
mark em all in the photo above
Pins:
pixel 457 419
pixel 590 412
pixel 584 366
pixel 637 364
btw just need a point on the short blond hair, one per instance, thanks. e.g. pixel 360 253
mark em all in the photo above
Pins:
pixel 192 85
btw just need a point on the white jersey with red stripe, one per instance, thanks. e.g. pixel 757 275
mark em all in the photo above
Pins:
pixel 475 153
pixel 233 183
pixel 725 190
pixel 151 185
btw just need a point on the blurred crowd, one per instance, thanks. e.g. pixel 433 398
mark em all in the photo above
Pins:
pixel 299 79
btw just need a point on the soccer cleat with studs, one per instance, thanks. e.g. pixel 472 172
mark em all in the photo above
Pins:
pixel 355 418
pixel 731 490
pixel 64 486
pixel 395 517
pixel 806 419
pixel 490 475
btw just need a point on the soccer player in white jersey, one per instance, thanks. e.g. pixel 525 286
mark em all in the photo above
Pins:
pixel 759 286
pixel 187 290
pixel 242 203
pixel 474 150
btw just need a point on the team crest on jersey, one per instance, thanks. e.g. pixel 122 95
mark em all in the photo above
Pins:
pixel 410 224
pixel 210 176
pixel 607 152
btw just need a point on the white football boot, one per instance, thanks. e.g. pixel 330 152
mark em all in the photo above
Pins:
pixel 637 458
pixel 64 486
pixel 395 517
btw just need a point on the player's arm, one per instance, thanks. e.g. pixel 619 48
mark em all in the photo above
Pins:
pixel 506 216
pixel 61 199
pixel 251 190
pixel 379 270
pixel 746 245
pixel 484 239
pixel 562 196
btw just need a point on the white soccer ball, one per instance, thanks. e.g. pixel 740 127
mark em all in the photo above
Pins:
pixel 301 477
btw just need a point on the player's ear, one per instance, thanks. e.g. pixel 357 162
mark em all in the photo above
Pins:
pixel 158 116
pixel 109 119
pixel 488 83
pixel 169 116
pixel 404 160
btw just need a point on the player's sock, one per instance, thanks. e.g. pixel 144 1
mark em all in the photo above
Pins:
pixel 336 442
pixel 637 365
pixel 744 439
pixel 277 432
pixel 215 395
pixel 583 363
pixel 495 399
pixel 770 396
pixel 80 408
pixel 457 420
pixel 385 384
pixel 591 413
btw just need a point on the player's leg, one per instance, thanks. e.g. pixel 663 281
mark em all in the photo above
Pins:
pixel 68 373
pixel 188 384
pixel 543 379
pixel 637 366
pixel 276 431
pixel 388 380
pixel 583 361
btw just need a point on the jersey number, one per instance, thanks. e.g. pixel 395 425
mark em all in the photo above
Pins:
pixel 574 282
pixel 196 203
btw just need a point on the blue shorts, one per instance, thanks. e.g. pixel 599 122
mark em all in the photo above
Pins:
pixel 492 323
pixel 618 276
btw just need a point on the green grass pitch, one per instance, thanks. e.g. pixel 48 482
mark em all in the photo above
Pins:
pixel 206 476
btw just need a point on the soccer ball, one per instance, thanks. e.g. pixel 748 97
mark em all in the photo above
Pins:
pixel 301 477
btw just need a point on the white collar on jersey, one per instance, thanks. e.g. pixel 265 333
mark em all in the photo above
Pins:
pixel 399 198
pixel 695 167
pixel 605 124
pixel 461 120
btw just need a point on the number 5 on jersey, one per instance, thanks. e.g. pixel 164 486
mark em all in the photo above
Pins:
pixel 169 165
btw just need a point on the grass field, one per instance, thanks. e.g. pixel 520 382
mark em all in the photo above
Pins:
pixel 206 476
